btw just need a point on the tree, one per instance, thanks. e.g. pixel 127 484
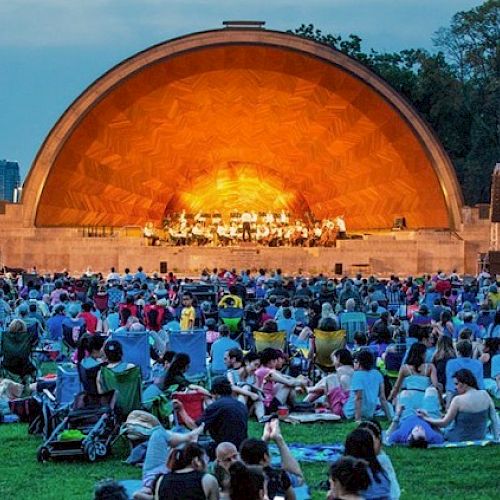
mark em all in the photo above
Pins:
pixel 456 89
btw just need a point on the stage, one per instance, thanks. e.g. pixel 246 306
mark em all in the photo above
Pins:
pixel 380 253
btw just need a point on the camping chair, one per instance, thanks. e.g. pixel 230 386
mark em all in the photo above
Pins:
pixel 101 302
pixel 67 383
pixel 263 340
pixel 232 317
pixel 16 355
pixel 352 322
pixel 324 344
pixel 128 386
pixel 135 347
pixel 192 401
pixel 193 343
pixel 88 378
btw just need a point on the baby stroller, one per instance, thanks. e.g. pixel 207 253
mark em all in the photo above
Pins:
pixel 88 430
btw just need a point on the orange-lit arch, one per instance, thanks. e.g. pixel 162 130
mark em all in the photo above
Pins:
pixel 203 120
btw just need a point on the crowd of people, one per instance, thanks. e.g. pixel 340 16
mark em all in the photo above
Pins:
pixel 266 229
pixel 422 353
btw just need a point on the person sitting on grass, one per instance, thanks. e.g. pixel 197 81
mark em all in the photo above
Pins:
pixel 335 386
pixel 188 477
pixel 367 389
pixel 176 375
pixel 469 411
pixel 243 382
pixel 360 444
pixel 348 477
pixel 247 482
pixel 268 378
pixel 226 454
pixel 226 419
pixel 219 348
pixel 464 360
pixel 416 375
pixel 376 430
pixel 280 481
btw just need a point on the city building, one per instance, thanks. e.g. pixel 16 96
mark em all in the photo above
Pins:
pixel 9 179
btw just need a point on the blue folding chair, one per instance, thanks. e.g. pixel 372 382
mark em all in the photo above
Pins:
pixel 193 343
pixel 353 322
pixel 135 350
pixel 67 383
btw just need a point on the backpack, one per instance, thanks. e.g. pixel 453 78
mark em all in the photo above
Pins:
pixel 139 426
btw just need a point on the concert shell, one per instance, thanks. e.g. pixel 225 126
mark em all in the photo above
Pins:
pixel 237 119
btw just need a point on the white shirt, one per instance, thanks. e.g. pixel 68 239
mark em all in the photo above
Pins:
pixel 246 217
pixel 340 224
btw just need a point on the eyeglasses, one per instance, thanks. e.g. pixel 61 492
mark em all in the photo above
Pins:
pixel 230 458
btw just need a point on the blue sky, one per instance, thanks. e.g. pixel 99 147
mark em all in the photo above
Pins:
pixel 50 50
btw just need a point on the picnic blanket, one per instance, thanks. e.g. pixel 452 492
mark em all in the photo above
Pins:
pixel 308 418
pixel 310 452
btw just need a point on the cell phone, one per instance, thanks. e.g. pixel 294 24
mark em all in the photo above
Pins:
pixel 279 497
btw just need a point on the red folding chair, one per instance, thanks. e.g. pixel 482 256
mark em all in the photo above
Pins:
pixel 192 402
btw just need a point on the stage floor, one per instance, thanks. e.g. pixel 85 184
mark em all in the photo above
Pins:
pixel 382 253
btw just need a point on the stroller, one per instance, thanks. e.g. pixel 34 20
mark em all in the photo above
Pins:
pixel 88 429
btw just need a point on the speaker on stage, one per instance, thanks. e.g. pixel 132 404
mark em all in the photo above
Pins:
pixel 163 267
pixel 399 224
pixel 338 268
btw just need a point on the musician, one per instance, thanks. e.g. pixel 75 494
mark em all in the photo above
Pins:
pixel 216 219
pixel 233 233
pixel 149 234
pixel 340 223
pixel 269 218
pixel 246 219
pixel 284 219
pixel 262 234
pixel 316 234
pixel 223 234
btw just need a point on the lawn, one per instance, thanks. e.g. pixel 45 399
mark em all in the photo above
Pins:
pixel 471 473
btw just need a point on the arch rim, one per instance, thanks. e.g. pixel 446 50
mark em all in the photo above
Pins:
pixel 61 131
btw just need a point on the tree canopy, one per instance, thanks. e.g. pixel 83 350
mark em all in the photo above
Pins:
pixel 456 88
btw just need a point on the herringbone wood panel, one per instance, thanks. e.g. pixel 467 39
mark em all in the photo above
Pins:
pixel 239 127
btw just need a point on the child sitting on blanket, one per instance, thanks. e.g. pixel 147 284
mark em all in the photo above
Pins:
pixel 335 386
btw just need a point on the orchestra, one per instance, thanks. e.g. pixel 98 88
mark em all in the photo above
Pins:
pixel 263 228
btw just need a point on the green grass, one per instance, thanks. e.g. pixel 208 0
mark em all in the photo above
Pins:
pixel 471 473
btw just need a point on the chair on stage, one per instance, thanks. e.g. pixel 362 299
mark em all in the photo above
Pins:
pixel 135 347
pixel 324 344
pixel 352 322
pixel 193 343
pixel 263 340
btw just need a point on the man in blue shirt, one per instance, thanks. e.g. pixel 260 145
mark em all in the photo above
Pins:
pixel 464 350
pixel 219 348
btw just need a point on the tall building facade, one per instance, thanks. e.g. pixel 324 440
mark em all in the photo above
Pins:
pixel 9 179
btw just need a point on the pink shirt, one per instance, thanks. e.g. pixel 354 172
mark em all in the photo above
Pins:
pixel 266 385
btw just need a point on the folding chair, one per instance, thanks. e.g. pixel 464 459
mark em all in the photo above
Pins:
pixel 232 317
pixel 128 385
pixel 192 401
pixel 16 355
pixel 324 344
pixel 68 383
pixel 263 340
pixel 352 322
pixel 193 343
pixel 135 350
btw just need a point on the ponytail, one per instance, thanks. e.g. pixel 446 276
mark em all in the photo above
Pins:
pixel 351 473
pixel 247 482
pixel 83 348
pixel 180 458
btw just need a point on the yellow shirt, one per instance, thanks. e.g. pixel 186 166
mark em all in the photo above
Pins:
pixel 237 301
pixel 188 316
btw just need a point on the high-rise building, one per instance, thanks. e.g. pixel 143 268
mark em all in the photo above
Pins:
pixel 9 179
